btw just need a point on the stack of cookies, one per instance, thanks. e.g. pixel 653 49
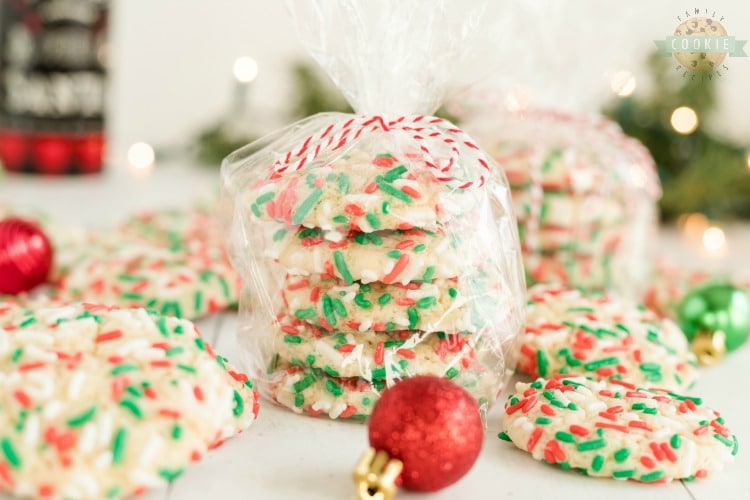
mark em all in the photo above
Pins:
pixel 584 194
pixel 367 281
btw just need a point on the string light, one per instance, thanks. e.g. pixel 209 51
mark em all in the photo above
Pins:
pixel 693 225
pixel 245 69
pixel 141 156
pixel 747 159
pixel 623 83
pixel 714 239
pixel 684 120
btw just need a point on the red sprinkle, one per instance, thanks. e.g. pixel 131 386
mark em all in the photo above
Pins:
pixel 405 302
pixel 161 363
pixel 315 294
pixel 46 490
pixel 515 407
pixel 166 412
pixel 298 285
pixel 198 393
pixel 346 348
pixel 605 425
pixel 379 355
pixel 406 353
pixel 668 452
pixel 657 451
pixel 398 268
pixel 608 416
pixel 348 412
pixel 32 366
pixel 107 336
pixel 622 383
pixel 403 245
pixel 534 439
pixel 353 209
pixel 23 398
pixel 578 430
pixel 529 404
pixel 371 187
pixel 547 410
pixel 637 424
pixel 699 431
pixel 701 473
pixel 411 192
pixel 648 462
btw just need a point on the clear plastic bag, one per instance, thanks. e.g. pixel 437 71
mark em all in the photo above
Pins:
pixel 377 246
pixel 585 196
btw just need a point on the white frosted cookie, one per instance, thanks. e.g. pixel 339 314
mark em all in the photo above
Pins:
pixel 358 191
pixel 370 355
pixel 331 304
pixel 398 256
pixel 136 274
pixel 314 392
pixel 105 403
pixel 599 336
pixel 178 230
pixel 617 430
pixel 567 210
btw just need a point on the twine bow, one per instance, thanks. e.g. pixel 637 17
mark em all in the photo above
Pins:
pixel 424 130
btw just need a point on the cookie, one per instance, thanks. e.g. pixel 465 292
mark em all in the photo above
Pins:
pixel 568 332
pixel 177 230
pixel 105 403
pixel 376 356
pixel 398 256
pixel 331 304
pixel 176 283
pixel 314 392
pixel 617 430
pixel 568 210
pixel 358 191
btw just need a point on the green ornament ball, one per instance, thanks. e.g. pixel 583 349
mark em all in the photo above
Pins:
pixel 716 307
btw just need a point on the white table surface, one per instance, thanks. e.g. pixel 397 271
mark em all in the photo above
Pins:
pixel 286 456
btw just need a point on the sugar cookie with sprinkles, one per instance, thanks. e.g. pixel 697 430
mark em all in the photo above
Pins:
pixel 359 191
pixel 315 392
pixel 617 430
pixel 106 403
pixel 178 230
pixel 182 284
pixel 376 356
pixel 602 337
pixel 397 256
pixel 333 305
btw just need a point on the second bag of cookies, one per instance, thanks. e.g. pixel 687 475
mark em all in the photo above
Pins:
pixel 380 245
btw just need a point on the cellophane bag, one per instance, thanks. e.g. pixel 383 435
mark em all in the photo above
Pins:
pixel 584 192
pixel 381 245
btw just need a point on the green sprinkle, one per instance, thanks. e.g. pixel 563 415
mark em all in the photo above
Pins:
pixel 279 235
pixel 179 330
pixel 593 444
pixel 82 418
pixel 558 404
pixel 676 441
pixel 413 317
pixel 682 397
pixel 451 373
pixel 331 372
pixel 543 421
pixel 132 407
pixel 396 193
pixel 650 367
pixel 572 406
pixel 303 384
pixel 394 254
pixel 265 198
pixel 17 355
pixel 419 248
pixel 623 328
pixel 174 351
pixel 620 474
pixel 256 210
pixel 305 207
pixel 339 307
pixel 27 322
pixel 239 405
pixel 426 302
pixel 198 300
pixel 340 219
pixel 308 313
pixel 171 475
pixel 649 411
pixel 384 299
pixel 548 395
pixel 453 293
pixel 504 436
pixel 373 220
pixel 542 363
pixel 342 268
pixel 174 307
pixel 736 446
pixel 361 301
pixel 394 173
pixel 299 400
pixel 580 309
pixel 652 476
pixel 343 183
pixel 10 453
pixel 120 369
pixel 186 368
pixel 727 442
pixel 162 324
pixel 565 437
pixel 118 445
pixel 334 388
pixel 292 339
pixel 113 492
pixel 621 455
pixel 599 363
pixel 176 432
pixel 428 273
pixel 386 208
pixel 597 463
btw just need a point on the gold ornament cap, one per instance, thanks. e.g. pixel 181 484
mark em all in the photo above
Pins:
pixel 709 347
pixel 376 475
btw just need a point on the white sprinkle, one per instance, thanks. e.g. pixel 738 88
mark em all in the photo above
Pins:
pixel 87 438
pixel 31 431
pixel 76 384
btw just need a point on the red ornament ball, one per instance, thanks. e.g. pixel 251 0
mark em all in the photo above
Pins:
pixel 25 256
pixel 433 426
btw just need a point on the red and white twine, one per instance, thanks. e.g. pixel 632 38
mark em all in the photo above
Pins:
pixel 424 130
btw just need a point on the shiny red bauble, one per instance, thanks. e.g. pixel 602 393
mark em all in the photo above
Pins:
pixel 25 256
pixel 433 426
